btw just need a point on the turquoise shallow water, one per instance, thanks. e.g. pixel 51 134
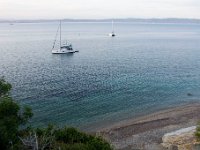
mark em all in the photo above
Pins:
pixel 147 67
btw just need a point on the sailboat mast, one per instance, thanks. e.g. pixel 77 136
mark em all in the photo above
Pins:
pixel 60 34
pixel 112 27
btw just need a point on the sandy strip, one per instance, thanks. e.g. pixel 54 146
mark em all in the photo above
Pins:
pixel 146 132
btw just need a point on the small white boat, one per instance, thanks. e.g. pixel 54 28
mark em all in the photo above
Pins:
pixel 63 49
pixel 112 34
pixel 67 48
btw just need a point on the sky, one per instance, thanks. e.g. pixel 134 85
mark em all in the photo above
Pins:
pixel 98 9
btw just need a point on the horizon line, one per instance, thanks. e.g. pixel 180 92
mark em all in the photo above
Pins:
pixel 136 20
pixel 157 18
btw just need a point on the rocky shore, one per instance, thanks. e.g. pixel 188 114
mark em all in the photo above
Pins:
pixel 147 132
pixel 183 139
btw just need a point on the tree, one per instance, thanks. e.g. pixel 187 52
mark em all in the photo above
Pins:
pixel 12 116
pixel 5 87
pixel 12 136
pixel 40 138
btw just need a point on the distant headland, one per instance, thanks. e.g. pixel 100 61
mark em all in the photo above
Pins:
pixel 132 20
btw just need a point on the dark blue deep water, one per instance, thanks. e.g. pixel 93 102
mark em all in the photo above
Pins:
pixel 147 67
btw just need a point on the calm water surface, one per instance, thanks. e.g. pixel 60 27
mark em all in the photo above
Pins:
pixel 147 67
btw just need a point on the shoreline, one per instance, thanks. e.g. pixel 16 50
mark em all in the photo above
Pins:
pixel 148 130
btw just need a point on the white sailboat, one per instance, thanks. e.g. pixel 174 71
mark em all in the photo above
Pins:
pixel 112 34
pixel 63 49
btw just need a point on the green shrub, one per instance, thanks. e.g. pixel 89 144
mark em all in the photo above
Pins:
pixel 5 87
pixel 12 136
pixel 71 136
pixel 97 143
pixel 12 116
pixel 75 146
pixel 197 133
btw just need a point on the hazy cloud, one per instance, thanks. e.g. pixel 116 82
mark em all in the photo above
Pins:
pixel 52 9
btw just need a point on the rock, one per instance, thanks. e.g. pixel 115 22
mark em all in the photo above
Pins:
pixel 196 147
pixel 189 94
pixel 173 147
pixel 182 139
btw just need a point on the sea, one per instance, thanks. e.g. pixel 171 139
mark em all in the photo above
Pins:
pixel 146 68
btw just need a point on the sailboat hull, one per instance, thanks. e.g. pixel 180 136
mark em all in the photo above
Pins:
pixel 112 35
pixel 62 51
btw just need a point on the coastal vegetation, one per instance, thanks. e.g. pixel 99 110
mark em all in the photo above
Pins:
pixel 197 133
pixel 17 133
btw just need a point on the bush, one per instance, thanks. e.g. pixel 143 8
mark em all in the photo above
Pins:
pixel 5 87
pixel 71 136
pixel 66 139
pixel 76 146
pixel 12 116
pixel 97 143
pixel 197 133
pixel 13 136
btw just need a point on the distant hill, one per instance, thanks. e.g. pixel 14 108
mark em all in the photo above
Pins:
pixel 134 20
